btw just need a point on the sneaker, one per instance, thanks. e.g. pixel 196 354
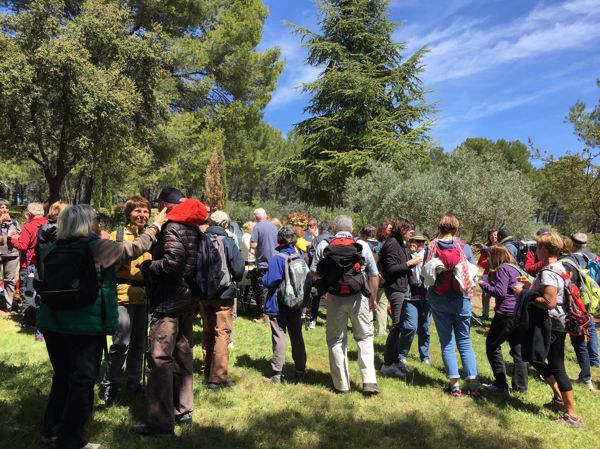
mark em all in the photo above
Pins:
pixel 453 390
pixel 48 439
pixel 184 420
pixel 494 387
pixel 392 370
pixel 336 391
pixel 404 367
pixel 312 324
pixel 220 385
pixel 108 394
pixel 146 430
pixel 91 446
pixel 263 319
pixel 371 389
pixel 590 385
pixel 426 361
pixel 567 419
pixel 475 393
pixel 275 379
pixel 555 404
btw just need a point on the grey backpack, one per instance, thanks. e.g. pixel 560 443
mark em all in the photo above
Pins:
pixel 294 290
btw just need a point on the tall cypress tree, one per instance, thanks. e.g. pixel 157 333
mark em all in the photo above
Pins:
pixel 368 103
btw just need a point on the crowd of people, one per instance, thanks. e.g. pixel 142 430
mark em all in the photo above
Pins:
pixel 145 284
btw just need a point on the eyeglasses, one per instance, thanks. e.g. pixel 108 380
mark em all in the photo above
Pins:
pixel 312 225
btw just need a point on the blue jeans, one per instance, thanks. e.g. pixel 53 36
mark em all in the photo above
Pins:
pixel 452 317
pixel 593 344
pixel 416 318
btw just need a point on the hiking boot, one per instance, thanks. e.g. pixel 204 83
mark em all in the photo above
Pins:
pixel 569 420
pixel 146 430
pixel 220 385
pixel 371 389
pixel 263 319
pixel 392 370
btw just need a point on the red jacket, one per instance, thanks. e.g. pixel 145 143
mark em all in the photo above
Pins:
pixel 532 266
pixel 483 263
pixel 28 239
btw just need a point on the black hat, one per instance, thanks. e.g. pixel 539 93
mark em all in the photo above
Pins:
pixel 170 195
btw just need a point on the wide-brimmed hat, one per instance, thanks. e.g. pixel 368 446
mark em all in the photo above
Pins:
pixel 580 238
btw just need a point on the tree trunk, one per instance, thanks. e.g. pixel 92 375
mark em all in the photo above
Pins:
pixel 84 189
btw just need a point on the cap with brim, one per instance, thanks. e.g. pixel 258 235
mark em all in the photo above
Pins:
pixel 170 195
pixel 579 237
pixel 219 218
pixel 417 236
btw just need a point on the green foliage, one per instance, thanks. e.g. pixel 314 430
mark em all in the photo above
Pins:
pixel 514 155
pixel 76 92
pixel 368 103
pixel 586 124
pixel 478 189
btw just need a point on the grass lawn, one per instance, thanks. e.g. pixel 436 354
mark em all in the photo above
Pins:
pixel 412 413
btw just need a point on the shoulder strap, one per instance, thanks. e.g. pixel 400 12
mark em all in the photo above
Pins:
pixel 120 235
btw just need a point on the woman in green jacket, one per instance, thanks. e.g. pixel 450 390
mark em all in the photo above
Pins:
pixel 75 337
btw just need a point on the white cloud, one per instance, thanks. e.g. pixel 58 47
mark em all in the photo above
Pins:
pixel 469 46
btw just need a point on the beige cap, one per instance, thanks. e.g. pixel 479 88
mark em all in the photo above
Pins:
pixel 219 218
pixel 579 237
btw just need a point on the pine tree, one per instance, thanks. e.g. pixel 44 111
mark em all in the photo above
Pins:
pixel 368 103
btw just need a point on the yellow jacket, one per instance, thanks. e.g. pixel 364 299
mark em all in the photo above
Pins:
pixel 126 293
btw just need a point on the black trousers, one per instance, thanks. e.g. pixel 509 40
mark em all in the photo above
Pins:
pixel 260 292
pixel 396 300
pixel 555 366
pixel 76 362
pixel 501 330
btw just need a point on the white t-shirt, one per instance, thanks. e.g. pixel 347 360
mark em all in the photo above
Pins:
pixel 549 275
pixel 247 252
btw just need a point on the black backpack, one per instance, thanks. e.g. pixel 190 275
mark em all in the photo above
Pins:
pixel 341 268
pixel 70 279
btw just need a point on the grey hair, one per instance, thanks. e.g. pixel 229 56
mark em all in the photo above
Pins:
pixel 260 213
pixel 4 202
pixel 76 222
pixel 286 235
pixel 342 223
pixel 36 209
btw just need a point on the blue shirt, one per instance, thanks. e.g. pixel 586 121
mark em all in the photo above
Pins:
pixel 264 235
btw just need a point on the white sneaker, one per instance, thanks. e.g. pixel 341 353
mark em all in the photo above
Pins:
pixel 590 385
pixel 312 324
pixel 91 446
pixel 392 370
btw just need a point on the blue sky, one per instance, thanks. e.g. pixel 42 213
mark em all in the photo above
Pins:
pixel 498 68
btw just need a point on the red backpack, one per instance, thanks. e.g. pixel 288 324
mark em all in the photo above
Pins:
pixel 446 283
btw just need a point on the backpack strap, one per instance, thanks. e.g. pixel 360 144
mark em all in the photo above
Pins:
pixel 120 235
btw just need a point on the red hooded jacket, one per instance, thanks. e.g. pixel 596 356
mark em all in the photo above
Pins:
pixel 28 239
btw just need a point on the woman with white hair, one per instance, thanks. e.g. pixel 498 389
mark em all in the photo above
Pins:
pixel 75 337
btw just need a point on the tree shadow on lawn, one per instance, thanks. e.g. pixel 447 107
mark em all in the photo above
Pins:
pixel 318 429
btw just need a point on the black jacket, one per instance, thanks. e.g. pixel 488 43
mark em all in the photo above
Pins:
pixel 173 267
pixel 535 327
pixel 235 262
pixel 393 261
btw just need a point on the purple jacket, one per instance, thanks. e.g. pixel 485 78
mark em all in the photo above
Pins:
pixel 501 289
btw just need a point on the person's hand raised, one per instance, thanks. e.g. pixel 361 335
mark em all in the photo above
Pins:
pixel 160 218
